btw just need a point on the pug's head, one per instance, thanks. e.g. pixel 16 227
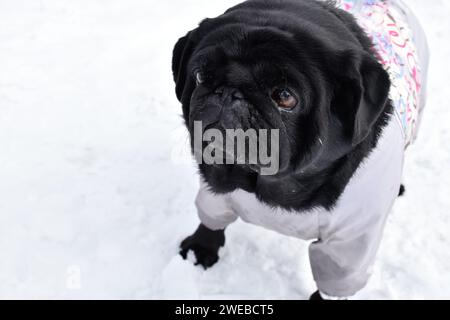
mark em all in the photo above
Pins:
pixel 285 66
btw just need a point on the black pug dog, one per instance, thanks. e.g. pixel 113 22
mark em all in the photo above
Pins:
pixel 308 69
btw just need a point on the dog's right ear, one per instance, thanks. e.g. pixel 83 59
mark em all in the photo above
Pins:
pixel 181 54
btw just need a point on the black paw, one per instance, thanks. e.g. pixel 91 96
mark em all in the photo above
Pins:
pixel 205 244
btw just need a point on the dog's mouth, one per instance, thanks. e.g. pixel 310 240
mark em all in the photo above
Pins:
pixel 253 169
pixel 225 133
pixel 252 150
pixel 233 161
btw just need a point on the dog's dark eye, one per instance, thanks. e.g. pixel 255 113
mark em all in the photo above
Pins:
pixel 199 77
pixel 284 99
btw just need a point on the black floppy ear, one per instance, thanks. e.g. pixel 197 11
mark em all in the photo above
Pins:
pixel 181 55
pixel 361 94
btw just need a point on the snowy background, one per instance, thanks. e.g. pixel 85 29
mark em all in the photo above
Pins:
pixel 94 200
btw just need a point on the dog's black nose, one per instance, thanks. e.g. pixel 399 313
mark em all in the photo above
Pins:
pixel 233 93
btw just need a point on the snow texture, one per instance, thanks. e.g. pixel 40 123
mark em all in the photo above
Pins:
pixel 96 187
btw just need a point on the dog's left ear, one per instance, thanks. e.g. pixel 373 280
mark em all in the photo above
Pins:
pixel 361 94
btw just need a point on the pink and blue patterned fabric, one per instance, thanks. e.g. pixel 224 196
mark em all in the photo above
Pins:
pixel 393 40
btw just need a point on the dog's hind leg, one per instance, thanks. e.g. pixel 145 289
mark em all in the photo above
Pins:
pixel 205 243
pixel 402 190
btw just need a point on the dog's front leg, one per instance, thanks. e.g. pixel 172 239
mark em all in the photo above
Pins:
pixel 205 243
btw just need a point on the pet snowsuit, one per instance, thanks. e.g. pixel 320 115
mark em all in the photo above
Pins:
pixel 346 239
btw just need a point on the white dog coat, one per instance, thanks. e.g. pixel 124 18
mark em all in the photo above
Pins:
pixel 347 238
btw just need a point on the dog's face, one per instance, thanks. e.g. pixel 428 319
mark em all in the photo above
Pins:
pixel 257 68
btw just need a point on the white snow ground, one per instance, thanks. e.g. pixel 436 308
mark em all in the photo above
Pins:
pixel 94 201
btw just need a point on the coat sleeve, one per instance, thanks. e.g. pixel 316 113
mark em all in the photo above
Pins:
pixel 214 211
pixel 342 262
pixel 350 235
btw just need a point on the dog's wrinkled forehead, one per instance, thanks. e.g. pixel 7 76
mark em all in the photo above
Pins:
pixel 244 54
